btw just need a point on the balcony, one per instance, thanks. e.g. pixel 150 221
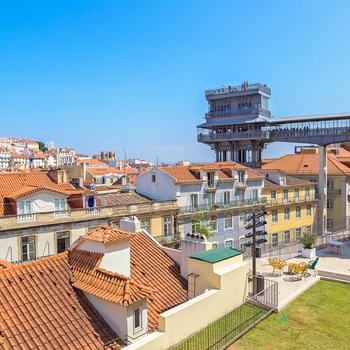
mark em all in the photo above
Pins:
pixel 241 185
pixel 222 206
pixel 167 239
pixel 9 222
pixel 291 200
pixel 26 218
pixel 210 185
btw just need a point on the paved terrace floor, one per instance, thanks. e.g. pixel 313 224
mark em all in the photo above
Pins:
pixel 330 265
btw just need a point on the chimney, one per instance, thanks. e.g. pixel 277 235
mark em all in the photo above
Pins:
pixel 191 244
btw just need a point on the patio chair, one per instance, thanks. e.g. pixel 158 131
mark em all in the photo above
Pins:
pixel 302 268
pixel 278 264
pixel 312 265
pixel 298 269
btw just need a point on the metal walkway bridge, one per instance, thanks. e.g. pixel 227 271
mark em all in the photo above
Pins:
pixel 232 139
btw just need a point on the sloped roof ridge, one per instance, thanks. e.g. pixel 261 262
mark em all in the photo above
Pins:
pixel 106 234
pixel 111 286
pixel 31 189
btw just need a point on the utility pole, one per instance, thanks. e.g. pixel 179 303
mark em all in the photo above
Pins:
pixel 256 252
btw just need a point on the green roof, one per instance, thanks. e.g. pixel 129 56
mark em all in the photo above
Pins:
pixel 216 254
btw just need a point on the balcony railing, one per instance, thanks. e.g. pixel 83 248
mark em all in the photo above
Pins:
pixel 166 239
pixel 28 220
pixel 289 200
pixel 222 205
pixel 333 192
pixel 61 214
pixel 237 88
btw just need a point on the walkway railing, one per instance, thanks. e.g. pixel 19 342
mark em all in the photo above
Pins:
pixel 226 330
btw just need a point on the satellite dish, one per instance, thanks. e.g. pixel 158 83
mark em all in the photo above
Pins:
pixel 93 186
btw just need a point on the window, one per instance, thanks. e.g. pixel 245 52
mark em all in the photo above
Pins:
pixel 228 243
pixel 308 229
pixel 195 226
pixel 298 212
pixel 60 204
pixel 27 248
pixel 296 194
pixel 255 194
pixel 286 214
pixel 24 207
pixel 274 239
pixel 274 216
pixel 285 196
pixel 241 176
pixel 330 203
pixel 273 194
pixel 286 237
pixel 167 226
pixel 211 199
pixel 308 210
pixel 62 241
pixel 240 195
pixel 226 197
pixel 194 201
pixel 153 177
pixel 213 223
pixel 330 184
pixel 146 225
pixel 228 221
pixel 90 201
pixel 137 319
pixel 210 180
pixel 330 224
pixel 214 245
pixel 307 193
pixel 297 234
pixel 242 218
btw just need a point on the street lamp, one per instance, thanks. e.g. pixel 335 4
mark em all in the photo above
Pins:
pixel 255 221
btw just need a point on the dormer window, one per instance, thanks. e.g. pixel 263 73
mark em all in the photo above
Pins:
pixel 137 319
pixel 210 179
pixel 24 207
pixel 60 204
pixel 241 176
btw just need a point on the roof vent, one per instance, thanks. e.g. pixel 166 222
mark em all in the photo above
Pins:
pixel 306 165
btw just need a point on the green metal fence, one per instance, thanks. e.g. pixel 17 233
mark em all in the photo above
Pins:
pixel 224 331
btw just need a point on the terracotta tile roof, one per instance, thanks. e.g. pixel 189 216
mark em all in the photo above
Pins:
pixel 40 309
pixel 113 199
pixel 29 190
pixel 151 267
pixel 4 264
pixel 254 174
pixel 307 164
pixel 102 171
pixel 180 173
pixel 106 234
pixel 110 286
pixel 191 172
pixel 92 161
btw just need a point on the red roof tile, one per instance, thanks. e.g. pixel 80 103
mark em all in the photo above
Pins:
pixel 37 303
pixel 106 234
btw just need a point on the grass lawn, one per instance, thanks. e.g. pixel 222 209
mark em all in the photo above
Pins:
pixel 318 319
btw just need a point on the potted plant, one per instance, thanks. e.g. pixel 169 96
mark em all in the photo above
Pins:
pixel 308 240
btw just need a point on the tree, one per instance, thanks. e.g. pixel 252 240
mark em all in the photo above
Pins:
pixel 308 239
pixel 42 146
pixel 201 226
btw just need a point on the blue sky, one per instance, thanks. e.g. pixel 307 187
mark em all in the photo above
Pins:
pixel 130 75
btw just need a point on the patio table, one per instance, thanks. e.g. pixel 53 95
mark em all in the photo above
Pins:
pixel 335 246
